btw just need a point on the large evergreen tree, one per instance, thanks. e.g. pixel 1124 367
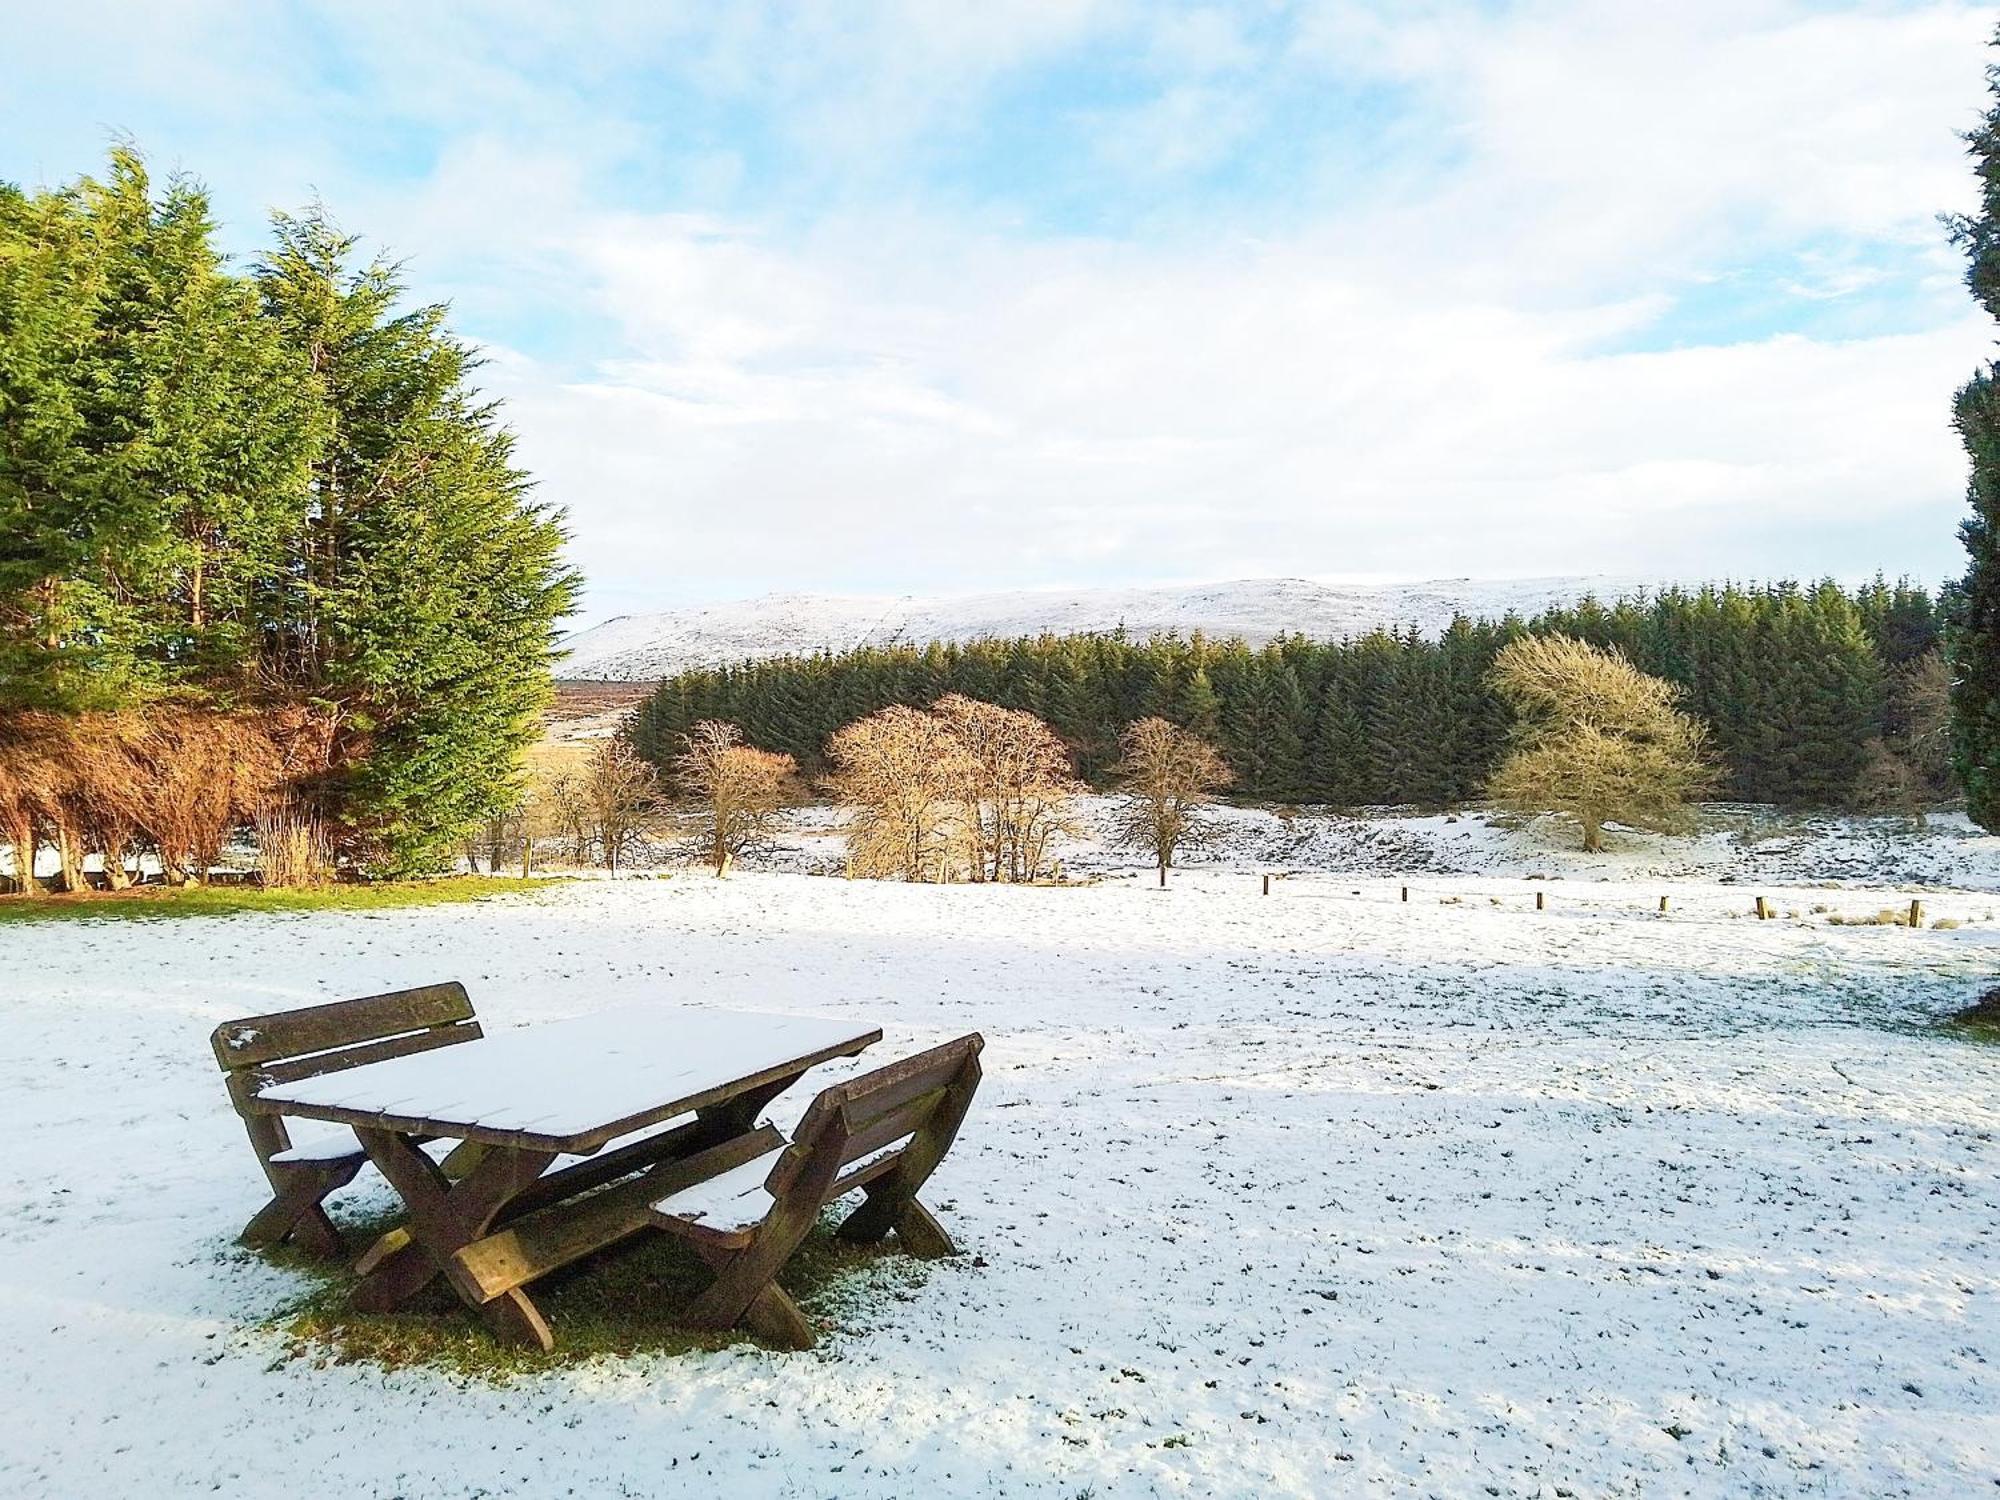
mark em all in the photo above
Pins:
pixel 1974 634
pixel 431 581
pixel 275 495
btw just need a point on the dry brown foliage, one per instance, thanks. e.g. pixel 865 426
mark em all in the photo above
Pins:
pixel 614 793
pixel 1598 740
pixel 172 780
pixel 1168 775
pixel 963 790
pixel 740 788
pixel 899 771
pixel 1016 782
pixel 293 848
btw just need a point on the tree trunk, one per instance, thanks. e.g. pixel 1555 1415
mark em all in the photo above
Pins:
pixel 1593 836
pixel 21 835
pixel 1163 874
pixel 69 855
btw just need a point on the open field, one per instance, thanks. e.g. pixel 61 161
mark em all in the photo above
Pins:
pixel 1293 1194
pixel 159 902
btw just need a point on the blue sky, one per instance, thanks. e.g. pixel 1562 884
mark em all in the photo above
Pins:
pixel 878 298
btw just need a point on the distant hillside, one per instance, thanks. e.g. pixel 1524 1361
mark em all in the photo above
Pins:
pixel 635 648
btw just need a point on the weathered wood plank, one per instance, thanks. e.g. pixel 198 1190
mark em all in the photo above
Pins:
pixel 319 1064
pixel 924 1098
pixel 892 1126
pixel 883 1089
pixel 315 1028
pixel 593 1172
pixel 531 1247
pixel 573 1143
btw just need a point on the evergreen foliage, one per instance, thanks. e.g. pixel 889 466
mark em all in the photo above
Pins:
pixel 273 493
pixel 1975 614
pixel 1793 682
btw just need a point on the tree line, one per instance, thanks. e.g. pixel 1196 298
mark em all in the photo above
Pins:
pixel 259 511
pixel 1811 695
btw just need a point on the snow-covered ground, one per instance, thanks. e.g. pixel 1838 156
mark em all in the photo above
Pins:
pixel 641 647
pixel 1310 1193
pixel 1735 845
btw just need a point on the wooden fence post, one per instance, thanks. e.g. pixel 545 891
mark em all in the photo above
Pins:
pixel 1538 900
pixel 1406 893
pixel 1916 913
pixel 1663 904
pixel 1763 908
pixel 1267 885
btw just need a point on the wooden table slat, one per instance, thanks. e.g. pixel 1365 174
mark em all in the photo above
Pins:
pixel 571 1086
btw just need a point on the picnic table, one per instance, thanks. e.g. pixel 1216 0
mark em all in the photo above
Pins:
pixel 545 1117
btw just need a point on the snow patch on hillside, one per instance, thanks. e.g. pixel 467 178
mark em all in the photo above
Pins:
pixel 643 647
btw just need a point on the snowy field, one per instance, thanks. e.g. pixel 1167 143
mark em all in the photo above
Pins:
pixel 1310 1193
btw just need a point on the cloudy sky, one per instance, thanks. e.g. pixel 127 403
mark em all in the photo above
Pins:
pixel 940 297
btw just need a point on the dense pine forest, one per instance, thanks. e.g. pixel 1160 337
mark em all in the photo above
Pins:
pixel 1814 696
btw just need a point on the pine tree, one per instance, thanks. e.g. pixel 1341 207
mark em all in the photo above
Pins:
pixel 1337 757
pixel 154 435
pixel 1281 714
pixel 429 580
pixel 1974 632
pixel 1196 707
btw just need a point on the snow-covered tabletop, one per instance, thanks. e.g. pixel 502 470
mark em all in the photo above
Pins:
pixel 571 1086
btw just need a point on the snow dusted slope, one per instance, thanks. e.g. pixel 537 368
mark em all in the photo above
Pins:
pixel 641 647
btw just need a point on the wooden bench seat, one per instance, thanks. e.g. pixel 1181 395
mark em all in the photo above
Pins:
pixel 725 1209
pixel 882 1133
pixel 330 1146
pixel 285 1046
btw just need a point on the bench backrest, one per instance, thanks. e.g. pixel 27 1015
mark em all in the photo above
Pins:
pixel 288 1045
pixel 919 1102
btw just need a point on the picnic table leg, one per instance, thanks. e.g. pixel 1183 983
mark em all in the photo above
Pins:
pixel 892 1199
pixel 294 1212
pixel 770 1313
pixel 297 1190
pixel 738 1115
pixel 443 1217
pixel 746 1290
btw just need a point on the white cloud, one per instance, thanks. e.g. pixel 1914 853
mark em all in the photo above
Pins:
pixel 901 369
pixel 1008 415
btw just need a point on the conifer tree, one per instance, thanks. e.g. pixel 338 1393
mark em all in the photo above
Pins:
pixel 1974 638
pixel 1196 708
pixel 430 580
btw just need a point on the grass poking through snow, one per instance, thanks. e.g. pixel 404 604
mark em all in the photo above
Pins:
pixel 153 902
pixel 619 1303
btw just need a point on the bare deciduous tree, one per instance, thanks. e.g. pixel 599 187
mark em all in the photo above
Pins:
pixel 741 789
pixel 565 812
pixel 1015 785
pixel 1919 723
pixel 962 791
pixel 901 771
pixel 1168 775
pixel 617 788
pixel 1597 741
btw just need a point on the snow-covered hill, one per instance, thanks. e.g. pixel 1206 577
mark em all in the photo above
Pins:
pixel 642 647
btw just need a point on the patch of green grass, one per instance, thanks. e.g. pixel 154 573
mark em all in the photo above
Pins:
pixel 619 1303
pixel 159 902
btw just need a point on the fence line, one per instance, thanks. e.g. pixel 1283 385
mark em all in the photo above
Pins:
pixel 1313 885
